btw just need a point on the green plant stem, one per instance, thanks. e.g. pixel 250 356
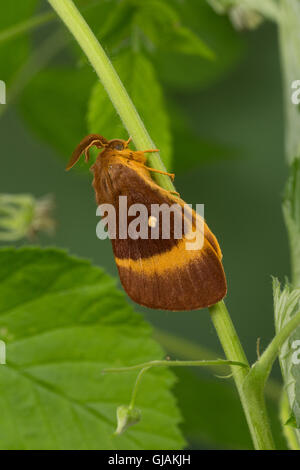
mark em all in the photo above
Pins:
pixel 186 349
pixel 136 386
pixel 251 396
pixel 252 402
pixel 259 373
pixel 289 42
pixel 166 363
pixel 264 365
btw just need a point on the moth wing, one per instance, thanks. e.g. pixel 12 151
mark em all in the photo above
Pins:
pixel 163 273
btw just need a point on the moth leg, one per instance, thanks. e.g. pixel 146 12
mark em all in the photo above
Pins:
pixel 128 141
pixel 150 151
pixel 171 175
pixel 175 193
pixel 154 170
pixel 124 153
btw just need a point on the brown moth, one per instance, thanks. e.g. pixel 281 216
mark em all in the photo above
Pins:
pixel 157 273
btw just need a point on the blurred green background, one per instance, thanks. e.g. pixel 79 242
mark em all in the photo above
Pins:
pixel 228 154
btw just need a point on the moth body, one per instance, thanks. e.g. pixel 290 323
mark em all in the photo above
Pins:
pixel 159 273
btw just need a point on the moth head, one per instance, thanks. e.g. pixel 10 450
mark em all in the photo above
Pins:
pixel 118 144
pixel 84 146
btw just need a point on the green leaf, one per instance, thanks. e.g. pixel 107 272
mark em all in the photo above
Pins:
pixel 291 421
pixel 111 22
pixel 63 322
pixel 187 42
pixel 13 53
pixel 54 105
pixel 182 71
pixel 139 79
pixel 118 24
pixel 162 25
pixel 286 304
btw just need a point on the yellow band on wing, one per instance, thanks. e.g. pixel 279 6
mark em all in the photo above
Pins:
pixel 173 259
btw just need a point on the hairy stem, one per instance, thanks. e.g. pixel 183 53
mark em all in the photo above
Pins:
pixel 270 354
pixel 289 42
pixel 186 349
pixel 252 397
pixel 136 386
pixel 167 363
